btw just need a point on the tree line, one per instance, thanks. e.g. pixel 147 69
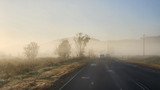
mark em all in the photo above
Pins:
pixel 64 48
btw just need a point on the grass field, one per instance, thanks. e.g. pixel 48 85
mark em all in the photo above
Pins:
pixel 39 74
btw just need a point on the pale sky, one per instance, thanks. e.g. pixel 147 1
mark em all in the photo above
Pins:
pixel 22 21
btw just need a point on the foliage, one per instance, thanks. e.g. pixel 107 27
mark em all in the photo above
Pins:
pixel 19 74
pixel 31 50
pixel 64 49
pixel 81 41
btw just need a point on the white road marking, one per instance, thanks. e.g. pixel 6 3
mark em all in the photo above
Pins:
pixel 114 77
pixel 71 79
pixel 110 71
pixel 92 83
pixel 85 77
pixel 93 64
pixel 143 87
pixel 140 86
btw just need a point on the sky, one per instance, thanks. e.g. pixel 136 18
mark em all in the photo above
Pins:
pixel 23 21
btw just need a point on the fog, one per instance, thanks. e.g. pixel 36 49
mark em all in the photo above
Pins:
pixel 116 27
pixel 124 47
pixel 127 47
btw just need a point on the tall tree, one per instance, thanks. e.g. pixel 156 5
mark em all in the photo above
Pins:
pixel 31 50
pixel 81 41
pixel 64 49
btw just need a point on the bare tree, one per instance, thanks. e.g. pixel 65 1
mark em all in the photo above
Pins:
pixel 81 41
pixel 64 49
pixel 31 50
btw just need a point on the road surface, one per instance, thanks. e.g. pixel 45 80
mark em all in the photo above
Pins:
pixel 118 76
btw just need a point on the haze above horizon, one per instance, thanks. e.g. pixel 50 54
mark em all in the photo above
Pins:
pixel 22 21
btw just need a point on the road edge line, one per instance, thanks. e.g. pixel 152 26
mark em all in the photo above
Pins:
pixel 71 79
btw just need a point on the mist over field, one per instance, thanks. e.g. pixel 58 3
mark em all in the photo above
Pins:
pixel 122 23
pixel 124 47
pixel 79 44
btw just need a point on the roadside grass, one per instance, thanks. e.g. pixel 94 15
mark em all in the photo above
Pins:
pixel 37 74
pixel 148 61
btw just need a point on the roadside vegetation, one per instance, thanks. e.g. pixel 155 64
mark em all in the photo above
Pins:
pixel 34 73
pixel 147 61
pixel 41 73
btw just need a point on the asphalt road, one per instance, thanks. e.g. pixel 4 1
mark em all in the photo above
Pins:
pixel 117 76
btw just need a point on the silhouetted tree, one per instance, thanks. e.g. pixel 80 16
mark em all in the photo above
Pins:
pixel 81 41
pixel 64 49
pixel 31 50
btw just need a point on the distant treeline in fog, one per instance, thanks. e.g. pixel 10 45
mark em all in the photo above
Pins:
pixel 113 47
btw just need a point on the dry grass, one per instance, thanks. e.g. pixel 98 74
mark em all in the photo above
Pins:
pixel 149 61
pixel 10 68
pixel 41 73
